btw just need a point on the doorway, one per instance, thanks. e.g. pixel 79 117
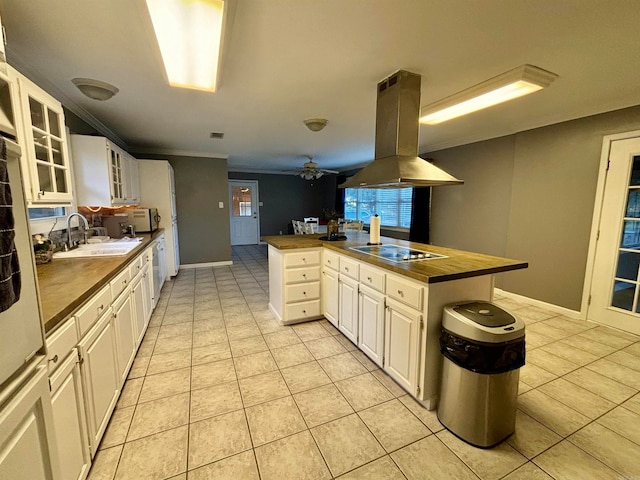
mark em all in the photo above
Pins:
pixel 614 294
pixel 244 212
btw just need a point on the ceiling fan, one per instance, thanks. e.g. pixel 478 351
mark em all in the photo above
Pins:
pixel 311 171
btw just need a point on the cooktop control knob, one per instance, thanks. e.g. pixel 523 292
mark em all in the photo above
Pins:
pixel 414 256
pixel 405 257
pixel 421 255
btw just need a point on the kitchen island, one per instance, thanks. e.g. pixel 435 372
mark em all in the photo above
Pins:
pixel 390 308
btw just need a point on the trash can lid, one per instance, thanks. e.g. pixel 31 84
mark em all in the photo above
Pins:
pixel 482 321
pixel 486 314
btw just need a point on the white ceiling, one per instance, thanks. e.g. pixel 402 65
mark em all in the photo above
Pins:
pixel 287 60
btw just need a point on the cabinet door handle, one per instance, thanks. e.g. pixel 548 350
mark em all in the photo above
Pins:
pixel 304 275
pixel 304 311
pixel 401 293
pixel 304 293
pixel 369 279
pixel 304 259
pixel 54 359
pixel 346 269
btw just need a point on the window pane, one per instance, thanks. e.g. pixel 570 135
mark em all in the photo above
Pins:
pixel 635 172
pixel 54 123
pixel 631 235
pixel 41 152
pixel 405 215
pixel 44 178
pixel 633 204
pixel 56 150
pixel 35 213
pixel 241 197
pixel 628 263
pixel 61 180
pixel 37 113
pixel 623 295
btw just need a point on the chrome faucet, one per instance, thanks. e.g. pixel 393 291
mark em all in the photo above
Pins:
pixel 86 227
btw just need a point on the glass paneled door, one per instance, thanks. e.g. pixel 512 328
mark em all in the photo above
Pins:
pixel 243 209
pixel 615 288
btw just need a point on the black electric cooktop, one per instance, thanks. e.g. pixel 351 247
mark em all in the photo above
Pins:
pixel 396 253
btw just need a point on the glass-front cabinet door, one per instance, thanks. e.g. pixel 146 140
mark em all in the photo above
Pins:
pixel 46 145
pixel 116 170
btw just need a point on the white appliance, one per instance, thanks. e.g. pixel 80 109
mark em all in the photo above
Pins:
pixel 27 440
pixel 158 262
pixel 144 219
pixel 157 187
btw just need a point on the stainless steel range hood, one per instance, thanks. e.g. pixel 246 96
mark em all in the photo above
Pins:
pixel 396 163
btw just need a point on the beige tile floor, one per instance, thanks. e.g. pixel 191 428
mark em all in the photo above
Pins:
pixel 219 390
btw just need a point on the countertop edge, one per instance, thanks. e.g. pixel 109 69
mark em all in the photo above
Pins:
pixel 292 242
pixel 54 319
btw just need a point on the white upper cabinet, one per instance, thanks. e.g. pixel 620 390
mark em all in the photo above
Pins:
pixel 41 131
pixel 105 174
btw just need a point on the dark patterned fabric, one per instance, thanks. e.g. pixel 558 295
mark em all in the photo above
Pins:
pixel 9 265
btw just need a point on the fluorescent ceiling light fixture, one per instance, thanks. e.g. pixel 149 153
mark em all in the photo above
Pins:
pixel 515 83
pixel 189 34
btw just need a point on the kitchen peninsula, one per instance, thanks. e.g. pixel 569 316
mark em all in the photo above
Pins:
pixel 391 309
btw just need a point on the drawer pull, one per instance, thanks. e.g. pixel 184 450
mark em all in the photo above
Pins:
pixel 329 262
pixel 101 307
pixel 369 279
pixel 401 293
pixel 304 311
pixel 304 293
pixel 304 259
pixel 304 275
pixel 54 359
pixel 346 269
pixel 124 282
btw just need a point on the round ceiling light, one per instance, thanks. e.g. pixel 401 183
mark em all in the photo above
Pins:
pixel 316 124
pixel 95 89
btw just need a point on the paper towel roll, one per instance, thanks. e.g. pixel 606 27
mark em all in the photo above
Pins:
pixel 374 229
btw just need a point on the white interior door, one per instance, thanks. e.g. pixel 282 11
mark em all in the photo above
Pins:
pixel 243 209
pixel 615 283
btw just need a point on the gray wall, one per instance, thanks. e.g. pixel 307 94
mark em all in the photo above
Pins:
pixel 529 196
pixel 203 228
pixel 289 197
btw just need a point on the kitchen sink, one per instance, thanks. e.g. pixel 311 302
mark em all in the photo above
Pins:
pixel 108 248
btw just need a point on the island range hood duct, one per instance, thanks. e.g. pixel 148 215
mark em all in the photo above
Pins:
pixel 396 163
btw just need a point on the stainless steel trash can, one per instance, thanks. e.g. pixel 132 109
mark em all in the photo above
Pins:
pixel 483 348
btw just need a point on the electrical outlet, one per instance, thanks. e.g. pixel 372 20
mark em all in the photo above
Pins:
pixel 220 204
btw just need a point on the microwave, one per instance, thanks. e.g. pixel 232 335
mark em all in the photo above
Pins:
pixel 144 219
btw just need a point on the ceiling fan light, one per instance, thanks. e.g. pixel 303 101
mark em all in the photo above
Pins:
pixel 316 124
pixel 95 89
pixel 510 85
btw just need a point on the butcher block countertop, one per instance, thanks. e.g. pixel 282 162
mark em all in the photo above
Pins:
pixel 459 264
pixel 66 283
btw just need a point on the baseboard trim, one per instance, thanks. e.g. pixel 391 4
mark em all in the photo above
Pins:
pixel 567 312
pixel 208 264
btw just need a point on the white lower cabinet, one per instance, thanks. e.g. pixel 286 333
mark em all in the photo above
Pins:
pixel 26 433
pixel 123 322
pixel 371 323
pixel 330 290
pixel 402 345
pixel 69 419
pixel 100 376
pixel 348 307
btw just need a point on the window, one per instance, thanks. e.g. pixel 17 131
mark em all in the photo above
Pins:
pixel 37 213
pixel 393 205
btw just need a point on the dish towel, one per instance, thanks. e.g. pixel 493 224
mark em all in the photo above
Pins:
pixel 9 267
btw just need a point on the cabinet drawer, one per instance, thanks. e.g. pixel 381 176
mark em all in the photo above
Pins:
pixel 298 275
pixel 404 291
pixel 302 310
pixel 301 292
pixel 330 259
pixel 135 267
pixel 349 267
pixel 372 278
pixel 92 310
pixel 60 343
pixel 302 259
pixel 119 283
